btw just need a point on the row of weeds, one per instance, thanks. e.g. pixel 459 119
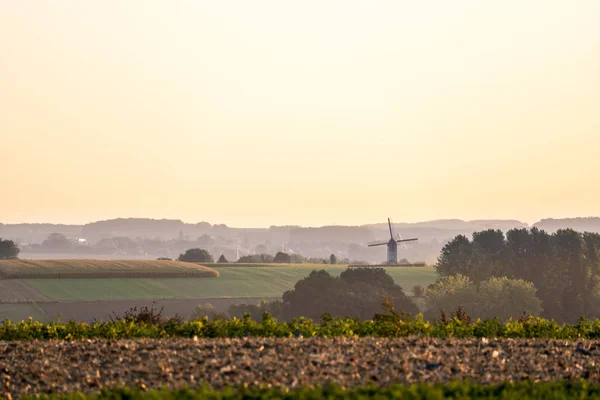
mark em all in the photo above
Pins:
pixel 148 322
pixel 453 390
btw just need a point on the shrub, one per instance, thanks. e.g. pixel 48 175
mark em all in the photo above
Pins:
pixel 418 291
pixel 222 259
pixel 145 315
pixel 205 310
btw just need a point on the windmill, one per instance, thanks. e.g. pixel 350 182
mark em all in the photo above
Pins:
pixel 392 246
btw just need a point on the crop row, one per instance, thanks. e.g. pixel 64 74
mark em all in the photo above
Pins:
pixel 455 390
pixel 380 326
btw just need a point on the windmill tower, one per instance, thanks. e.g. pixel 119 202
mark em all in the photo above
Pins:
pixel 392 246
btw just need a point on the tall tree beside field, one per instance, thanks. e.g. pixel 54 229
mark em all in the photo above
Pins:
pixel 196 255
pixel 8 250
pixel 488 255
pixel 456 257
pixel 333 259
pixel 222 259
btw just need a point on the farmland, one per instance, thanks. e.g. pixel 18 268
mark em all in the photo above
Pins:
pixel 98 287
pixel 47 269
pixel 232 282
pixel 59 366
pixel 20 311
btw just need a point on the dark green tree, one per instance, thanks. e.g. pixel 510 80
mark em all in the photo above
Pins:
pixel 8 250
pixel 333 259
pixel 358 292
pixel 196 255
pixel 222 259
pixel 282 257
pixel 455 257
pixel 488 256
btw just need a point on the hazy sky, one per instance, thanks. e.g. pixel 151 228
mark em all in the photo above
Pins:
pixel 254 113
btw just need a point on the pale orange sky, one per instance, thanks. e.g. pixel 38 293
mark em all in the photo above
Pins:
pixel 312 113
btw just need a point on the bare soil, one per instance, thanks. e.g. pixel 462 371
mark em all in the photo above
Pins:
pixel 62 366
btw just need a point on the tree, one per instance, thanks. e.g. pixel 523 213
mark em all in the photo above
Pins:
pixel 56 241
pixel 488 255
pixel 357 292
pixel 455 257
pixel 255 258
pixel 564 266
pixel 196 255
pixel 495 297
pixel 282 258
pixel 333 259
pixel 8 250
pixel 222 259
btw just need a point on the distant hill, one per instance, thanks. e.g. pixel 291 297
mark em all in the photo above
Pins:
pixel 458 224
pixel 153 238
pixel 590 224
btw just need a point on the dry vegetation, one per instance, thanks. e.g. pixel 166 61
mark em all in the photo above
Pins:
pixel 53 269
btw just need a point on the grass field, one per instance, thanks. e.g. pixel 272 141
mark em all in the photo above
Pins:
pixel 232 282
pixel 23 269
pixel 21 311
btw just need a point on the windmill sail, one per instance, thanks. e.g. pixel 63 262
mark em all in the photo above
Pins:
pixel 392 245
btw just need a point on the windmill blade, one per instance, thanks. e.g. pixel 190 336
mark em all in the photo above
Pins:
pixel 401 241
pixel 407 240
pixel 390 225
pixel 377 244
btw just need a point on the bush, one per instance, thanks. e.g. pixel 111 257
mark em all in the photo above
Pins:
pixel 206 310
pixel 494 298
pixel 386 325
pixel 164 259
pixel 565 390
pixel 222 259
pixel 145 315
pixel 196 255
pixel 255 311
pixel 418 291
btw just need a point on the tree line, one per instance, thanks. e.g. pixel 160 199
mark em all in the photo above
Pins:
pixel 203 255
pixel 563 268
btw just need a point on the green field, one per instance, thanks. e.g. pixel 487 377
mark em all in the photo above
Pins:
pixel 20 311
pixel 23 269
pixel 232 282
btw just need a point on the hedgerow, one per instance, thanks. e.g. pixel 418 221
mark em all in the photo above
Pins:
pixel 454 390
pixel 381 326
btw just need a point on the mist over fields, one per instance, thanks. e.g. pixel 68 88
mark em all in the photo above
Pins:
pixel 151 238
